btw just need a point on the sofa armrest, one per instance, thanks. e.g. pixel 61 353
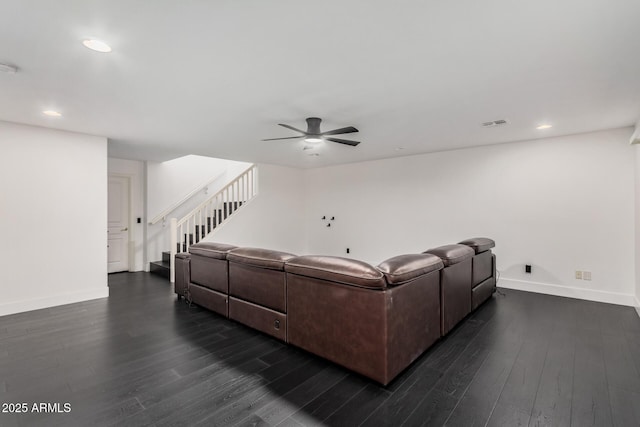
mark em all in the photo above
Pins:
pixel 404 268
pixel 183 274
pixel 479 244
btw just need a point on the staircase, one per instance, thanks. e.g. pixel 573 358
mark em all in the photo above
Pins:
pixel 162 268
pixel 206 218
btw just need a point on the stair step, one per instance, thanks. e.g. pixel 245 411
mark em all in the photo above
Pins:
pixel 166 256
pixel 160 268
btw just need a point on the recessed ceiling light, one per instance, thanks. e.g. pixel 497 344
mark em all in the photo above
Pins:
pixel 97 45
pixel 52 113
pixel 544 127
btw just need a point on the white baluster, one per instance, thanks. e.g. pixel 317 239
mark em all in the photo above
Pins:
pixel 248 175
pixel 174 243
pixel 243 193
pixel 253 182
pixel 187 237
pixel 234 194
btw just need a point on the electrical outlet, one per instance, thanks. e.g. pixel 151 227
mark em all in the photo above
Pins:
pixel 579 275
pixel 586 275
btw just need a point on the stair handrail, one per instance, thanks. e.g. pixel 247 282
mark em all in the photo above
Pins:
pixel 201 205
pixel 247 177
pixel 163 215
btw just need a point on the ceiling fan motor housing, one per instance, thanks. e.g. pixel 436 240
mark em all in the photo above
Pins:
pixel 313 125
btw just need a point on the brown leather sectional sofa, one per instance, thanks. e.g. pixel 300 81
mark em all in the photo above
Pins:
pixel 373 320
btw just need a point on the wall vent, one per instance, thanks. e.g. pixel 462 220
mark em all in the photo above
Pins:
pixel 494 123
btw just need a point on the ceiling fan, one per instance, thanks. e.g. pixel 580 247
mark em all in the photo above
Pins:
pixel 314 136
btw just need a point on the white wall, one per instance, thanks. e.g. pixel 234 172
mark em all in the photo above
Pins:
pixel 635 137
pixel 169 182
pixel 134 170
pixel 53 217
pixel 274 219
pixel 636 148
pixel 560 204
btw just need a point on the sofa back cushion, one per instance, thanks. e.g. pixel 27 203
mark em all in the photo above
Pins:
pixel 211 249
pixel 265 258
pixel 452 254
pixel 336 269
pixel 404 268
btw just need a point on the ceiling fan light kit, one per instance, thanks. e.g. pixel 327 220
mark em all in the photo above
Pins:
pixel 313 135
pixel 313 139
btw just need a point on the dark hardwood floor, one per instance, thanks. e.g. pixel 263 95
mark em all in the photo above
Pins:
pixel 141 357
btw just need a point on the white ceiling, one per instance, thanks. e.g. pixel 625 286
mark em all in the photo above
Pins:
pixel 215 77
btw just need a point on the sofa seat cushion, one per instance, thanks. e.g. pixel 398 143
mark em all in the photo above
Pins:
pixel 211 249
pixel 452 254
pixel 336 269
pixel 404 268
pixel 479 244
pixel 257 257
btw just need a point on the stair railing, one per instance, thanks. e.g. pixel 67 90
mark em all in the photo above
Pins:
pixel 211 214
pixel 202 187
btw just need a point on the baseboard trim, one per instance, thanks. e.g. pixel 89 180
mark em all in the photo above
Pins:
pixel 569 292
pixel 40 303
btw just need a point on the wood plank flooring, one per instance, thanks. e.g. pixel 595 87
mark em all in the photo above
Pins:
pixel 142 358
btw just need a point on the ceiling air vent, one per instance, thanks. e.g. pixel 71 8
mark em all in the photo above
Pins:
pixel 494 123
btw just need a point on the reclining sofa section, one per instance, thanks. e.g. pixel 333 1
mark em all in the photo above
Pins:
pixel 209 276
pixel 483 265
pixel 373 320
pixel 258 289
pixel 455 284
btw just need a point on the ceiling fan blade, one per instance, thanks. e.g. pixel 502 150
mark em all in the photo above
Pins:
pixel 289 137
pixel 349 129
pixel 292 128
pixel 343 141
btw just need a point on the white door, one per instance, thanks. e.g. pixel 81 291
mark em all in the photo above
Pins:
pixel 118 217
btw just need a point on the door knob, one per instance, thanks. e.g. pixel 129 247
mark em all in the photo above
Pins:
pixel 125 229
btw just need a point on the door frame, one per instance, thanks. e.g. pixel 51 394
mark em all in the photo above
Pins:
pixel 131 244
